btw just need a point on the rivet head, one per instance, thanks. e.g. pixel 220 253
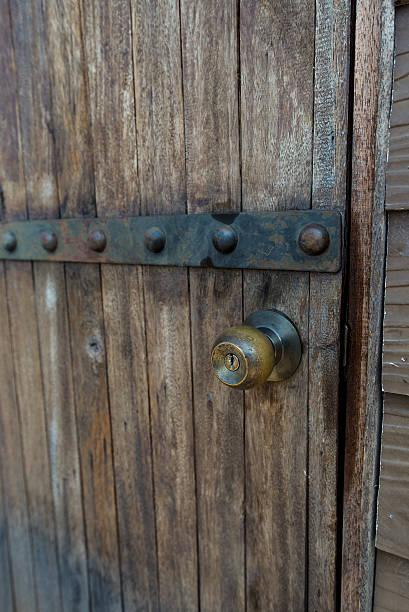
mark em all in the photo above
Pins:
pixel 49 241
pixel 224 239
pixel 313 239
pixel 97 240
pixel 9 241
pixel 155 239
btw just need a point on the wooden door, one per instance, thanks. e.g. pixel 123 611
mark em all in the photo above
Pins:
pixel 131 478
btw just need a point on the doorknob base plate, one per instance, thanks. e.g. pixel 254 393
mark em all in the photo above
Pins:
pixel 285 338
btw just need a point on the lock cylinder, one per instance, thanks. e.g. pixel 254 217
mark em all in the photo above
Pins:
pixel 266 347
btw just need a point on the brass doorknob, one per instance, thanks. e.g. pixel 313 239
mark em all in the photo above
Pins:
pixel 266 347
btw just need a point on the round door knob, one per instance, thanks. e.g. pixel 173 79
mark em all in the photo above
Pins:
pixel 266 347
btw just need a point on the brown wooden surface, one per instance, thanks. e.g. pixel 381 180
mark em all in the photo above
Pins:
pixel 395 367
pixel 167 490
pixel 161 164
pixel 397 180
pixel 209 47
pixel 392 583
pixel 328 191
pixel 393 500
pixel 276 174
pixel 371 105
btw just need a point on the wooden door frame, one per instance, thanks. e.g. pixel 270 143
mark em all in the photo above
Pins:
pixel 372 62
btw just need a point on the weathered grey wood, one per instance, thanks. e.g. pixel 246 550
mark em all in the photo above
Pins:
pixel 94 434
pixel 11 456
pixel 161 166
pixel 37 153
pixel 110 77
pixel 393 501
pixel 6 594
pixel 276 121
pixel 66 120
pixel 392 583
pixel 395 366
pixel 372 95
pixel 331 86
pixel 397 178
pixel 209 38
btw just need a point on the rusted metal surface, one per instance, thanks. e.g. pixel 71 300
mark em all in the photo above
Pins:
pixel 268 241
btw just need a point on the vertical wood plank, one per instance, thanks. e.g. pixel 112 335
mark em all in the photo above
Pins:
pixel 161 162
pixel 6 594
pixel 94 432
pixel 11 457
pixel 331 86
pixel 371 109
pixel 277 46
pixel 37 147
pixel 110 76
pixel 66 120
pixel 209 38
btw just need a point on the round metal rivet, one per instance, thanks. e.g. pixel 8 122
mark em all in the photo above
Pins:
pixel 49 241
pixel 9 241
pixel 155 239
pixel 313 239
pixel 97 240
pixel 224 239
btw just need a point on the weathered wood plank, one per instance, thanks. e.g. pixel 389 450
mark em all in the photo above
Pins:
pixel 37 152
pixel 94 433
pixel 276 119
pixel 392 583
pixel 66 120
pixel 397 178
pixel 161 163
pixel 209 38
pixel 6 594
pixel 328 192
pixel 371 104
pixel 393 501
pixel 395 366
pixel 12 189
pixel 110 77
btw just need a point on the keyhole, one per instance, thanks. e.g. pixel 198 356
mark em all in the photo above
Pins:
pixel 231 361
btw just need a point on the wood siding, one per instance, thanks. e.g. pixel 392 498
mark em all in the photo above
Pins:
pixel 392 538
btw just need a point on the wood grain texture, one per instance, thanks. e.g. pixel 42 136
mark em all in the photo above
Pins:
pixel 161 166
pixel 6 594
pixel 392 583
pixel 397 178
pixel 393 501
pixel 395 366
pixel 110 77
pixel 276 120
pixel 371 104
pixel 37 153
pixel 11 454
pixel 328 192
pixel 67 123
pixel 209 35
pixel 94 434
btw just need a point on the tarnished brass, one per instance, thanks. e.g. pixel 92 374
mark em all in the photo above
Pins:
pixel 266 347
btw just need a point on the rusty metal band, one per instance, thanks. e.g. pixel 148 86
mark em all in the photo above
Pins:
pixel 266 241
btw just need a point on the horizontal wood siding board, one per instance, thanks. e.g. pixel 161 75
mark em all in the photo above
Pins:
pixel 392 583
pixel 397 185
pixel 395 368
pixel 393 502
